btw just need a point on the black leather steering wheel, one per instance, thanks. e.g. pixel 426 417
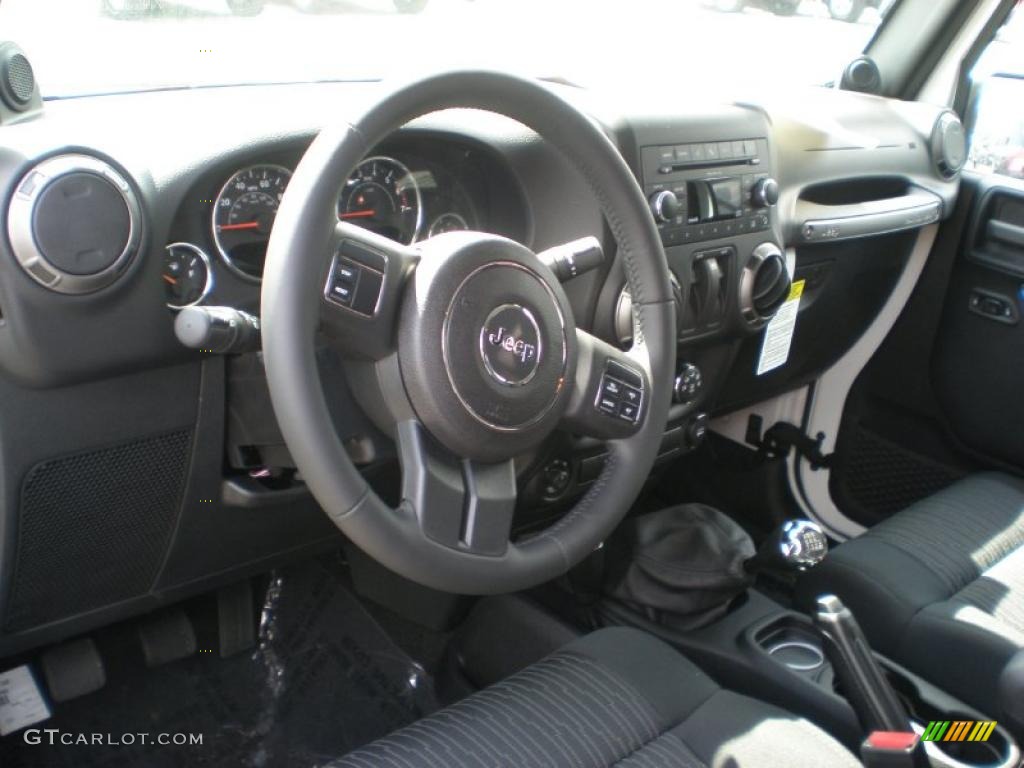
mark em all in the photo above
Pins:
pixel 464 348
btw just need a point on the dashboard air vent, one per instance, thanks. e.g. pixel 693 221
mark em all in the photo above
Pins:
pixel 948 145
pixel 74 223
pixel 764 284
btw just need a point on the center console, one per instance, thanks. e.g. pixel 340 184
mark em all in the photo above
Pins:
pixel 819 667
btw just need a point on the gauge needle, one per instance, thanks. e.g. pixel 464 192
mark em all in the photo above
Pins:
pixel 169 279
pixel 242 225
pixel 358 215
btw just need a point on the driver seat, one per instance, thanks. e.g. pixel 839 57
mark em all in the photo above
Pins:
pixel 615 697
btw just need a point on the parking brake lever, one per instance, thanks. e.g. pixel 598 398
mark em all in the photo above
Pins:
pixel 864 683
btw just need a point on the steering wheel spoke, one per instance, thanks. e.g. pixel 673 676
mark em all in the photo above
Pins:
pixel 362 290
pixel 461 504
pixel 610 394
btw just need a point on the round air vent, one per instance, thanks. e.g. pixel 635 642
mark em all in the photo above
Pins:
pixel 74 224
pixel 624 312
pixel 764 284
pixel 949 145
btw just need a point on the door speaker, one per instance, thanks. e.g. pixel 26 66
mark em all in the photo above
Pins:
pixel 19 91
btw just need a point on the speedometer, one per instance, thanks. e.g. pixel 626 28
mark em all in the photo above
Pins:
pixel 382 195
pixel 243 215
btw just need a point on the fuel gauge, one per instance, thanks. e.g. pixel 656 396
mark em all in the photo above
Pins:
pixel 186 274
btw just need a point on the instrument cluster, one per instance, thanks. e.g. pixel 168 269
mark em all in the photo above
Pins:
pixel 405 198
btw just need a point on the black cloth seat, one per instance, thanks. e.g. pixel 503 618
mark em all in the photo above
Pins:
pixel 939 587
pixel 615 697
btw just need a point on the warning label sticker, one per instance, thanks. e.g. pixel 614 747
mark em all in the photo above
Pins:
pixel 778 336
pixel 21 702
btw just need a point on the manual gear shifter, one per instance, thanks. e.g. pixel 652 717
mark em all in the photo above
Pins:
pixel 796 545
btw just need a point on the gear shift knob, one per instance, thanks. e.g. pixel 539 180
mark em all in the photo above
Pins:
pixel 796 545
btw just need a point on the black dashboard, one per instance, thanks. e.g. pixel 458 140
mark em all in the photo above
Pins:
pixel 173 453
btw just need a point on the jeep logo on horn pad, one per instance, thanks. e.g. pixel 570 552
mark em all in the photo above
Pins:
pixel 510 345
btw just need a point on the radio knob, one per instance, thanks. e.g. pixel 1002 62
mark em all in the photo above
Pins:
pixel 664 205
pixel 765 192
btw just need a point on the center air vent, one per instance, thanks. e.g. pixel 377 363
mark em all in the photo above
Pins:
pixel 74 223
pixel 764 284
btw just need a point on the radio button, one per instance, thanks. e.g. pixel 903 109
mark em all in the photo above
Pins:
pixel 711 151
pixel 725 150
pixel 749 147
pixel 697 153
pixel 683 153
pixel 737 149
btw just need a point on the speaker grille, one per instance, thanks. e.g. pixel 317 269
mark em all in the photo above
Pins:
pixel 20 78
pixel 94 527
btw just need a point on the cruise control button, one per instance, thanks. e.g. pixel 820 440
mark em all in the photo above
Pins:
pixel 611 388
pixel 628 412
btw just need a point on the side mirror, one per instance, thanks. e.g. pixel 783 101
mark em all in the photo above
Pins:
pixel 994 124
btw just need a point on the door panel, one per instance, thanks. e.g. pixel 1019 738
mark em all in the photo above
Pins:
pixel 978 363
pixel 937 400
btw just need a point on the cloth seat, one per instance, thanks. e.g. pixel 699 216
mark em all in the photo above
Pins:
pixel 939 587
pixel 615 697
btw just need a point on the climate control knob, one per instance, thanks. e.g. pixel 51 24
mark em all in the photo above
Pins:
pixel 664 206
pixel 765 192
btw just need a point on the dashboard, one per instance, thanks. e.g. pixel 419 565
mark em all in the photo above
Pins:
pixel 113 431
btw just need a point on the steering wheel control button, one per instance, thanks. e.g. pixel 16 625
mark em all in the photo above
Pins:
pixel 688 384
pixel 74 223
pixel 356 279
pixel 510 345
pixel 557 478
pixel 621 393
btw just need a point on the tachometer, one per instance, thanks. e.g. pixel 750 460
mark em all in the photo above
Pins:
pixel 382 195
pixel 243 215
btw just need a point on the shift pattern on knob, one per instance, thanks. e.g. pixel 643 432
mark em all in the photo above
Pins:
pixel 803 543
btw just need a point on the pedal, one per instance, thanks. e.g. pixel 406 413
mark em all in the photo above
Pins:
pixel 73 669
pixel 167 637
pixel 236 618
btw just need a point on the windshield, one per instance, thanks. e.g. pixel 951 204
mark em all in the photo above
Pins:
pixel 667 47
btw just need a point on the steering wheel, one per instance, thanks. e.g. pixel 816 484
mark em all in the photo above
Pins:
pixel 464 348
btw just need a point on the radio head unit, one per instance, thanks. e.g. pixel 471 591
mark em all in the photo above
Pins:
pixel 703 191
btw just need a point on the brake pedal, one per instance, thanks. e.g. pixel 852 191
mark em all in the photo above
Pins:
pixel 73 669
pixel 167 637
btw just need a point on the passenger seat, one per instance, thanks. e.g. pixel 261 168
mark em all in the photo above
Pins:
pixel 939 587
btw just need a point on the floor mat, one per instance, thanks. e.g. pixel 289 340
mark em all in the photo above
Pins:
pixel 324 680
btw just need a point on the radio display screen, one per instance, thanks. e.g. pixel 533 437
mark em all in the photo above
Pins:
pixel 728 195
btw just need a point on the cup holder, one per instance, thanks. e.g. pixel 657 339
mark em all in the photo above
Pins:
pixel 798 655
pixel 794 643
